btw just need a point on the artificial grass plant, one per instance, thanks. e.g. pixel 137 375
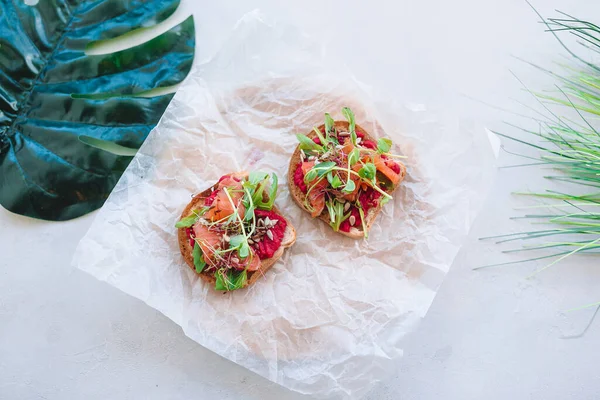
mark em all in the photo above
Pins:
pixel 570 147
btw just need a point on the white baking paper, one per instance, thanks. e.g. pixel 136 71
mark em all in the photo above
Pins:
pixel 328 319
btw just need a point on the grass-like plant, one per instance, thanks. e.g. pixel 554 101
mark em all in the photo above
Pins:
pixel 570 147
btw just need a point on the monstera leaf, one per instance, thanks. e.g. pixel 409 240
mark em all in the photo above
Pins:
pixel 57 103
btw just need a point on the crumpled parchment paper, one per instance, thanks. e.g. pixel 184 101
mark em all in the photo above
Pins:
pixel 327 320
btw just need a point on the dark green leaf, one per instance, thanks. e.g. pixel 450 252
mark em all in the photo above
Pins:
pixel 307 143
pixel 188 221
pixel 384 145
pixel 51 94
pixel 368 171
pixel 199 262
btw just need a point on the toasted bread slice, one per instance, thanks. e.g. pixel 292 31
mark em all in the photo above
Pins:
pixel 299 196
pixel 186 250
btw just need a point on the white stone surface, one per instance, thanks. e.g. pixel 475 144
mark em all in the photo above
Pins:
pixel 490 334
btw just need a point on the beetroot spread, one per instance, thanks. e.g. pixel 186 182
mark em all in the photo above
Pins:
pixel 267 247
pixel 190 234
pixel 345 226
pixel 368 199
pixel 299 178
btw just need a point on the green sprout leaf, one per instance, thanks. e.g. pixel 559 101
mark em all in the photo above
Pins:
pixel 368 171
pixel 319 170
pixel 334 180
pixel 384 145
pixel 349 115
pixel 257 195
pixel 362 219
pixel 240 242
pixel 236 241
pixel 307 143
pixel 188 221
pixel 354 156
pixel 323 140
pixel 230 280
pixel 310 176
pixel 329 123
pixel 255 177
pixel 244 250
pixel 272 194
pixel 336 213
pixel 349 187
pixel 199 262
pixel 324 167
pixel 249 213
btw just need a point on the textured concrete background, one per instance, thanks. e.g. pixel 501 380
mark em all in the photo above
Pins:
pixel 489 335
